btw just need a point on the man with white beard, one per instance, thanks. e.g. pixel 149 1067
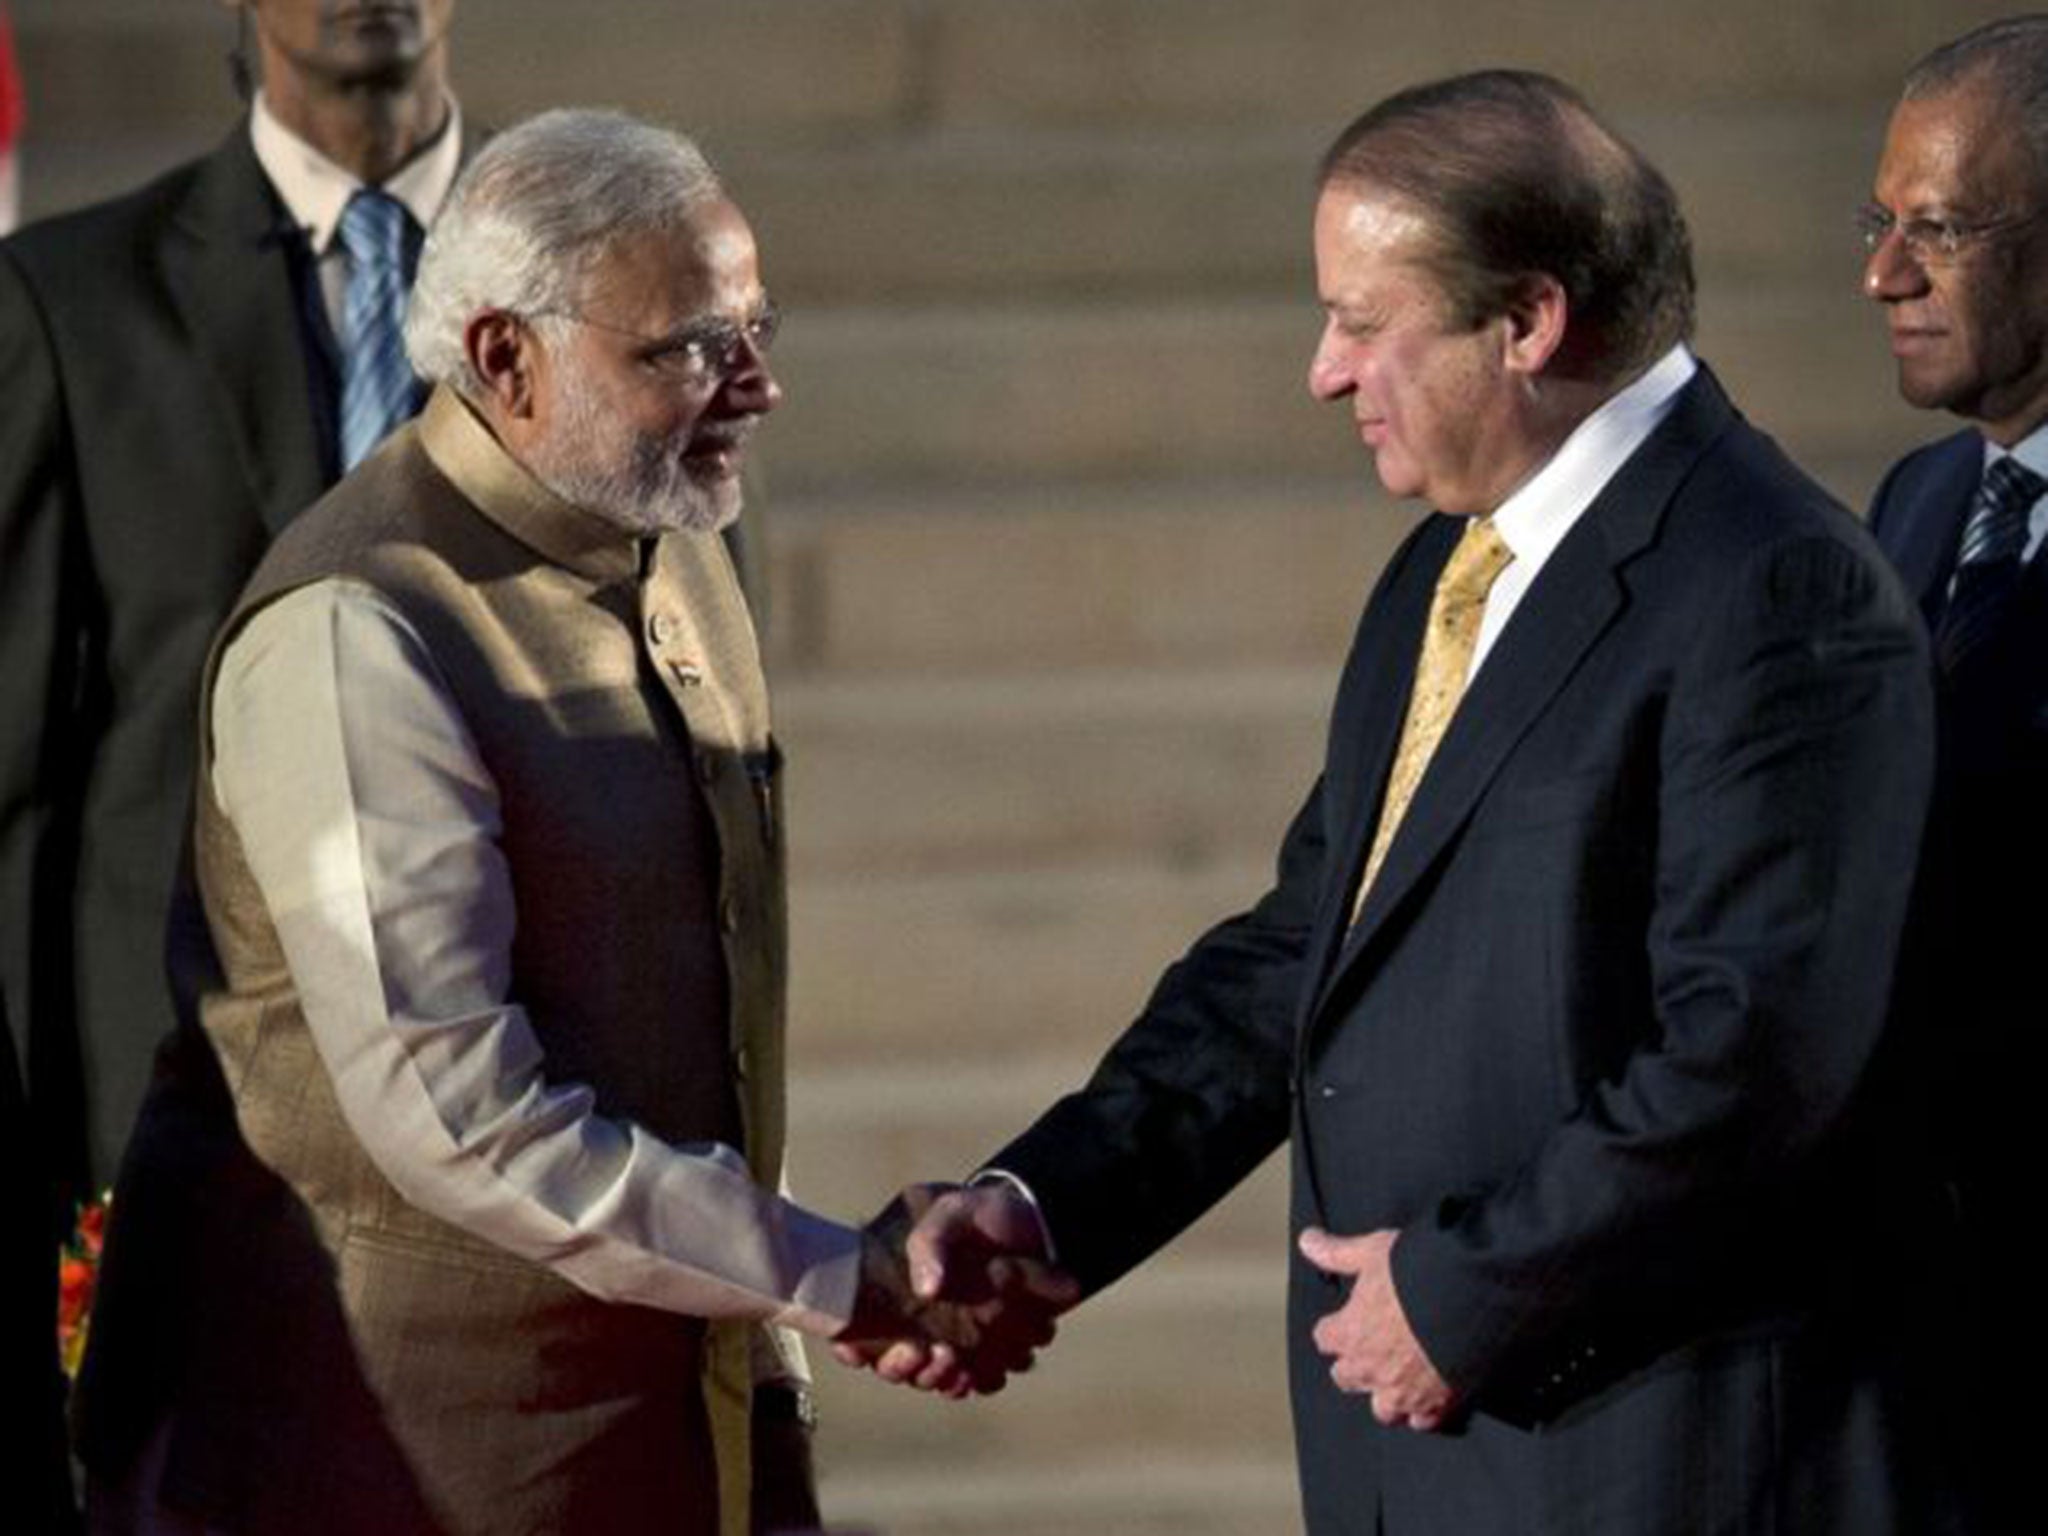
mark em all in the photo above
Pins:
pixel 457 1206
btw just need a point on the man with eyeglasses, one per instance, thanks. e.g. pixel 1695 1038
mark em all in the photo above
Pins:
pixel 1957 232
pixel 457 1206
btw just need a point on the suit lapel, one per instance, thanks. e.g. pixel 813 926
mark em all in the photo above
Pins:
pixel 229 273
pixel 1372 703
pixel 1562 616
pixel 1931 533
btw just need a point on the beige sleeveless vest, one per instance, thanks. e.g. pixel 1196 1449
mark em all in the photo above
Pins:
pixel 614 692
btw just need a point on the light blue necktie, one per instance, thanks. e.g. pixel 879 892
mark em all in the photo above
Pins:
pixel 377 388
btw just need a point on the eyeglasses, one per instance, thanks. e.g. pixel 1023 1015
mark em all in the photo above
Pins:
pixel 702 352
pixel 1930 242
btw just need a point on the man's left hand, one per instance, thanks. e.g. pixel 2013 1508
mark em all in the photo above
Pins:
pixel 1370 1345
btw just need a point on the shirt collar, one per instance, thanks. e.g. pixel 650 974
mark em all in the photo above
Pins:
pixel 1535 519
pixel 2031 451
pixel 465 450
pixel 314 189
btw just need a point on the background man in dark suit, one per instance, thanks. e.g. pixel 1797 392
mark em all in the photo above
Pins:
pixel 1569 992
pixel 1958 236
pixel 176 364
pixel 35 1469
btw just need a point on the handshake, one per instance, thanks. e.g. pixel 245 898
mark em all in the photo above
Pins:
pixel 956 1290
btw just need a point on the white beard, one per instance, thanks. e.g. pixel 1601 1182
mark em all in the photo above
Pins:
pixel 651 491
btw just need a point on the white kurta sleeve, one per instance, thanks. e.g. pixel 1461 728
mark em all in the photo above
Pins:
pixel 371 827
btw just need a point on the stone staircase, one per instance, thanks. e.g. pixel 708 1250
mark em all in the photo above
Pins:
pixel 1063 560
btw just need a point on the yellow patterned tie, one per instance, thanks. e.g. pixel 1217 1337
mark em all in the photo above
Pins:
pixel 1447 646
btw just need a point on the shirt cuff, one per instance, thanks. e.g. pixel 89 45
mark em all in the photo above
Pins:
pixel 1004 1176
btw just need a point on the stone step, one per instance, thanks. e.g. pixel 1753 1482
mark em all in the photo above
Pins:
pixel 1210 574
pixel 1090 296
pixel 884 153
pixel 1813 369
pixel 1217 573
pixel 1171 768
pixel 823 69
pixel 991 214
pixel 1003 968
pixel 795 69
pixel 995 215
pixel 875 1116
pixel 995 394
pixel 1127 1490
pixel 1320 61
pixel 1161 1408
pixel 965 395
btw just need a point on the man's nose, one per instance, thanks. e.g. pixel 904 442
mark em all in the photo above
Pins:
pixel 1328 376
pixel 751 386
pixel 1890 272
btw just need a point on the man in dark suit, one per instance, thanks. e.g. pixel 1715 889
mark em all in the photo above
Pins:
pixel 35 1485
pixel 177 362
pixel 1569 993
pixel 1959 263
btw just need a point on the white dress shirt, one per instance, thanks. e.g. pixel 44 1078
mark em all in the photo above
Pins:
pixel 370 825
pixel 314 190
pixel 2032 452
pixel 1543 509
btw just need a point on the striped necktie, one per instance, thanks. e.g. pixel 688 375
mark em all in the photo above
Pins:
pixel 1988 560
pixel 377 388
pixel 1447 646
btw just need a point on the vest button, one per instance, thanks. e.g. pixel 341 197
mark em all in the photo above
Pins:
pixel 728 916
pixel 662 628
pixel 742 1063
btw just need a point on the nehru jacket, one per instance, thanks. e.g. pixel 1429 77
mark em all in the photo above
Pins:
pixel 327 1354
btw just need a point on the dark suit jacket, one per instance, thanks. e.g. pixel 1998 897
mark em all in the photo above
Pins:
pixel 165 414
pixel 1990 817
pixel 1604 1044
pixel 35 1470
pixel 1972 986
pixel 1989 811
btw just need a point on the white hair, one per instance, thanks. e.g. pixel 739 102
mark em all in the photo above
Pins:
pixel 534 213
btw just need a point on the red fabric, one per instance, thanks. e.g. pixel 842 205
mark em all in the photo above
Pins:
pixel 13 105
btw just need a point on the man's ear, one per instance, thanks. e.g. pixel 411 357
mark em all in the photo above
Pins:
pixel 1537 318
pixel 241 63
pixel 501 353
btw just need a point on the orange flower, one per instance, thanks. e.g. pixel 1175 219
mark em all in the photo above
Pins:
pixel 74 1291
pixel 78 1274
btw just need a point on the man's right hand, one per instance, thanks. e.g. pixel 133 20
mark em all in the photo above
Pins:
pixel 956 1290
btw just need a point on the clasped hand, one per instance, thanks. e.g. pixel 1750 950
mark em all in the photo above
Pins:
pixel 956 1292
pixel 1371 1348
